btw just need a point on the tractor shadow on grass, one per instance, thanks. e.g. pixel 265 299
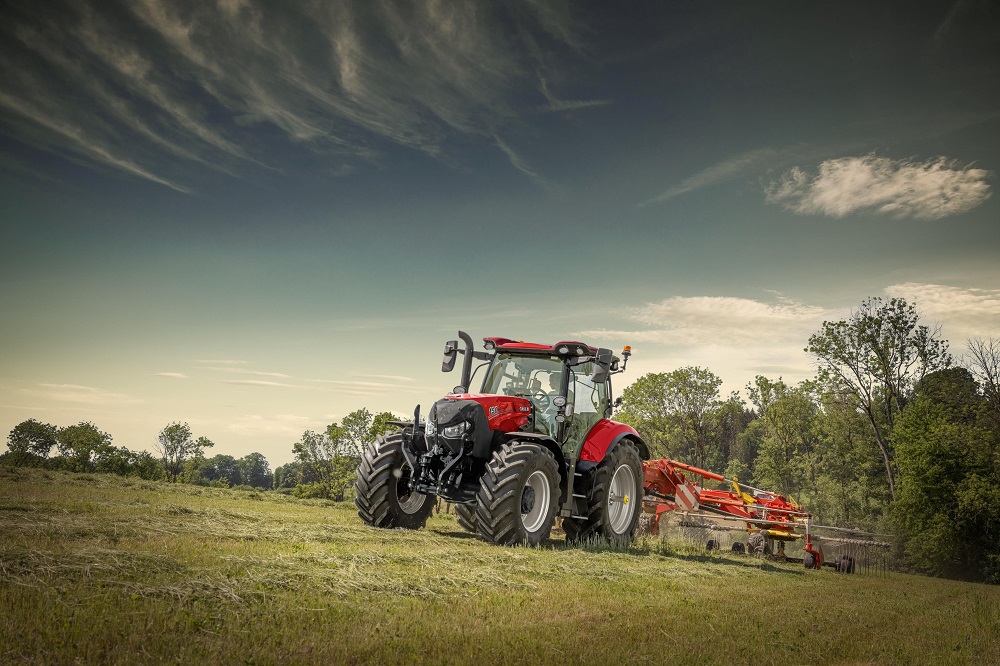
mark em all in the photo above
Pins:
pixel 680 551
pixel 457 534
pixel 750 562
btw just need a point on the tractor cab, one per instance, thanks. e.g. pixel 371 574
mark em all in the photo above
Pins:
pixel 566 401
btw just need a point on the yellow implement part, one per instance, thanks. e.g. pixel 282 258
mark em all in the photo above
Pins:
pixel 747 499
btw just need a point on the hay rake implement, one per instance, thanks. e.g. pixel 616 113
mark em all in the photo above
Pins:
pixel 774 525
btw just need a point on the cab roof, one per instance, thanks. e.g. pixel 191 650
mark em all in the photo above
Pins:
pixel 562 348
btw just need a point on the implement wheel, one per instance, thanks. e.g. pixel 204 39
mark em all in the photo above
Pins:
pixel 466 516
pixel 614 498
pixel 381 489
pixel 757 545
pixel 518 495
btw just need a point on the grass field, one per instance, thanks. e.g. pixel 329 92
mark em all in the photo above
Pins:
pixel 100 569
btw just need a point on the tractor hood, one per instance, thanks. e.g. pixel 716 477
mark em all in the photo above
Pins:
pixel 468 421
pixel 504 413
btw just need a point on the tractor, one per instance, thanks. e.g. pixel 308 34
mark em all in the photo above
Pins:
pixel 534 443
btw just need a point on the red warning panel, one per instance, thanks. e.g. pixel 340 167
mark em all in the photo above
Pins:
pixel 686 497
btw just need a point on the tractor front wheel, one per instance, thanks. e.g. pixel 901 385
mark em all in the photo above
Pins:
pixel 518 495
pixel 382 488
pixel 466 517
pixel 614 498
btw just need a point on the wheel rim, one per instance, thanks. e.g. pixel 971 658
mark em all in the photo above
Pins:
pixel 621 499
pixel 535 499
pixel 409 502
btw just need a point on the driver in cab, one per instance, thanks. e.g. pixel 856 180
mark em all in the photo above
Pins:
pixel 547 413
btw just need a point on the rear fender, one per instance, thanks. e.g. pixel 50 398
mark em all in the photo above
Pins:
pixel 603 438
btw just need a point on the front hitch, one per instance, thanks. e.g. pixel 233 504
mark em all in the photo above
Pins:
pixel 408 438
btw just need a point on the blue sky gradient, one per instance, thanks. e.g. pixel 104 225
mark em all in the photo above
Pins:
pixel 257 216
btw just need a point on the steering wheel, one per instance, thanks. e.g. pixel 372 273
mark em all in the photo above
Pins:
pixel 541 398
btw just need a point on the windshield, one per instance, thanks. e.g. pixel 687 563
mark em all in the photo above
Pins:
pixel 524 376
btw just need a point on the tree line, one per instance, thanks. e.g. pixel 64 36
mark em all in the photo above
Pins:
pixel 180 456
pixel 892 435
pixel 323 467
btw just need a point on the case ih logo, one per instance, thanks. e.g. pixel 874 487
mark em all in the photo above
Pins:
pixel 494 410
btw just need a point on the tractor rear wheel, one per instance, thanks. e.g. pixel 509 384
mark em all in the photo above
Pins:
pixel 466 516
pixel 518 495
pixel 614 498
pixel 381 489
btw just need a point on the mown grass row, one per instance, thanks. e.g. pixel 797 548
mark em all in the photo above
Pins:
pixel 103 569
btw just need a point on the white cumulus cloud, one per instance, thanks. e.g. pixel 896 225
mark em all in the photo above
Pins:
pixel 736 338
pixel 719 320
pixel 927 190
pixel 963 312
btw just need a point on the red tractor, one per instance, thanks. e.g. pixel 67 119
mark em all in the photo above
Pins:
pixel 535 442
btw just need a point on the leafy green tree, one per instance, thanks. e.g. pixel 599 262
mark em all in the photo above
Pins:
pixel 676 413
pixel 788 455
pixel 31 441
pixel 984 363
pixel 79 444
pixel 288 476
pixel 321 457
pixel 645 409
pixel 330 459
pixel 853 485
pixel 114 460
pixel 176 446
pixel 732 418
pixel 225 469
pixel 948 507
pixel 146 466
pixel 255 470
pixel 874 357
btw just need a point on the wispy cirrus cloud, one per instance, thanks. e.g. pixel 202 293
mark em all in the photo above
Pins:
pixel 557 104
pixel 354 387
pixel 245 371
pixel 172 375
pixel 395 378
pixel 282 425
pixel 150 87
pixel 928 190
pixel 258 382
pixel 77 393
pixel 720 172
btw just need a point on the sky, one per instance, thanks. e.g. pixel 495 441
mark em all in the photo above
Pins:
pixel 258 216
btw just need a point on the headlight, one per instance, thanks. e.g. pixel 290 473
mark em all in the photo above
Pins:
pixel 455 431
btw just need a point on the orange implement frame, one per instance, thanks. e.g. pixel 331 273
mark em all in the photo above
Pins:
pixel 667 488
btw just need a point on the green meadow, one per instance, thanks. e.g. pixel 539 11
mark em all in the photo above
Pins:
pixel 105 569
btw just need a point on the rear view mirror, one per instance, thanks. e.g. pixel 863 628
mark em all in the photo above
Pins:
pixel 602 366
pixel 450 354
